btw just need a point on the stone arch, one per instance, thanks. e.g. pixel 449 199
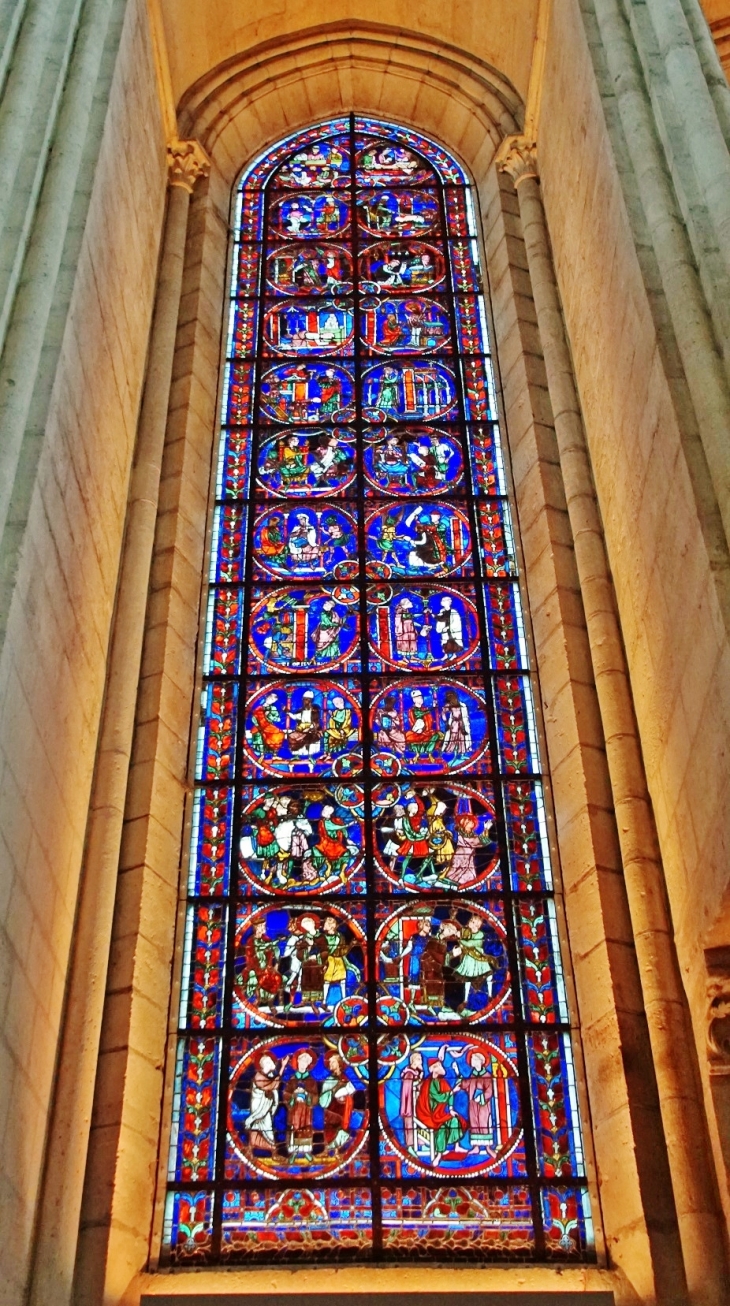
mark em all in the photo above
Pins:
pixel 252 99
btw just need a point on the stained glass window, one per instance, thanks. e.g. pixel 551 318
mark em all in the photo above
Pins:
pixel 374 1054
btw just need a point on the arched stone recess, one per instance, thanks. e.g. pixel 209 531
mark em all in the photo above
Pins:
pixel 236 111
pixel 254 98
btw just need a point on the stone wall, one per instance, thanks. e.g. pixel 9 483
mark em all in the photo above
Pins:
pixel 52 668
pixel 658 509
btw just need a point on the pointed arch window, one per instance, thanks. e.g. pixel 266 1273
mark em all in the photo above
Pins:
pixel 374 1055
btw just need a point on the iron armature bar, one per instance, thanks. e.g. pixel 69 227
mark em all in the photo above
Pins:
pixel 671 1038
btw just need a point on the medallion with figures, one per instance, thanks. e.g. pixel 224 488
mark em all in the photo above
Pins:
pixel 317 216
pixel 434 837
pixel 302 840
pixel 404 213
pixel 304 542
pixel 306 463
pixel 412 460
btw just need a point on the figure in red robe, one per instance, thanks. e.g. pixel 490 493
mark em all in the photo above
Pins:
pixel 435 1110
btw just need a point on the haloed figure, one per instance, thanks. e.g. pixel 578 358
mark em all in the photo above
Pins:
pixel 300 1099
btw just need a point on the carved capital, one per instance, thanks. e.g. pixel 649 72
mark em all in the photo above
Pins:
pixel 186 161
pixel 517 155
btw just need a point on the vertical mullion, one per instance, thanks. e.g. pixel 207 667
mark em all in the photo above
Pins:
pixel 488 680
pixel 374 1140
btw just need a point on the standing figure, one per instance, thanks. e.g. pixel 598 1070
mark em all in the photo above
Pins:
pixel 440 842
pixel 306 967
pixel 479 1088
pixel 386 540
pixel 457 733
pixel 449 628
pixel 336 538
pixel 264 1103
pixel 326 633
pixel 414 843
pixel 263 980
pixel 292 831
pixel 410 1083
pixel 333 847
pixel 473 964
pixel 300 1099
pixel 328 216
pixel 463 869
pixel 335 949
pixel 387 396
pixel 260 843
pixel 406 637
pixel 335 1097
pixel 330 390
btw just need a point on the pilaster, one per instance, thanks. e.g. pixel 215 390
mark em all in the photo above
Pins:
pixel 55 1249
pixel 663 997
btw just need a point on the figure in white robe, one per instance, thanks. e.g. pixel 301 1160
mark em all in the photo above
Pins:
pixel 449 628
pixel 259 1122
pixel 303 547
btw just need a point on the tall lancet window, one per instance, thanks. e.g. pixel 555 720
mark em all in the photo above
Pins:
pixel 374 1056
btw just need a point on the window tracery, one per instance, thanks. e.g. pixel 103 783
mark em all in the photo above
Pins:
pixel 374 1051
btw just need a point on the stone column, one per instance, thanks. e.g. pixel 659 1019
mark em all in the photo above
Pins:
pixel 11 16
pixel 696 110
pixel 709 58
pixel 707 379
pixel 55 1250
pixel 664 1000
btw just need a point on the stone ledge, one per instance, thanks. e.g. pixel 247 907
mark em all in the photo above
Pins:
pixel 555 1298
